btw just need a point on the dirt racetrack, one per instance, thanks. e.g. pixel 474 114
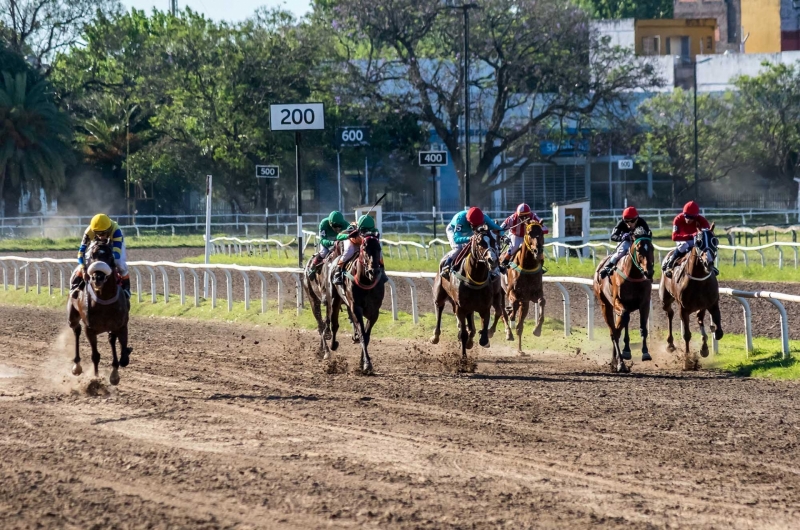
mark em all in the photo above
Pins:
pixel 225 426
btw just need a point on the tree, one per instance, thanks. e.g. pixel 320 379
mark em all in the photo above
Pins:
pixel 769 110
pixel 34 139
pixel 641 9
pixel 41 28
pixel 668 142
pixel 535 66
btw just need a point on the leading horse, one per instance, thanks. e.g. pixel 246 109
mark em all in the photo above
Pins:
pixel 523 281
pixel 362 294
pixel 694 286
pixel 628 289
pixel 469 290
pixel 101 307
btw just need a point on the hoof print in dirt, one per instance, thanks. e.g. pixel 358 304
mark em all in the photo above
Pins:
pixel 336 366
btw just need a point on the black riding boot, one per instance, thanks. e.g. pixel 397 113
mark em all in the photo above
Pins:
pixel 126 286
pixel 77 286
pixel 671 263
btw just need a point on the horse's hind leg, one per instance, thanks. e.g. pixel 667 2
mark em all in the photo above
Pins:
pixel 438 307
pixel 483 340
pixel 523 313
pixel 617 364
pixel 76 366
pixel 125 350
pixel 666 303
pixel 644 316
pixel 716 319
pixel 537 331
pixel 701 316
pixel 335 306
pixel 92 336
pixel 626 340
pixel 689 360
pixel 366 362
pixel 114 378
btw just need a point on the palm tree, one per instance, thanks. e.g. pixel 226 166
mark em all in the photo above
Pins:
pixel 34 138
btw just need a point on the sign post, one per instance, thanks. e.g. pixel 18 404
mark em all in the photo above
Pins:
pixel 297 117
pixel 352 136
pixel 433 160
pixel 625 165
pixel 208 234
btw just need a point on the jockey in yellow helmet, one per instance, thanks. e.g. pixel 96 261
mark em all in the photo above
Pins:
pixel 102 228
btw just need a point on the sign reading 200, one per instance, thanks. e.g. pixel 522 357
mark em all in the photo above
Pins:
pixel 297 117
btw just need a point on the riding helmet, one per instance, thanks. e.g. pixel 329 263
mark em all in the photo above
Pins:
pixel 691 208
pixel 475 216
pixel 100 223
pixel 630 213
pixel 523 210
pixel 366 222
pixel 337 219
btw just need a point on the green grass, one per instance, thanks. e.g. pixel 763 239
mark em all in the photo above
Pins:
pixel 72 243
pixel 766 362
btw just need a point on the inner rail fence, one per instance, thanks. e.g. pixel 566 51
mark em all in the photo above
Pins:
pixel 19 268
pixel 286 223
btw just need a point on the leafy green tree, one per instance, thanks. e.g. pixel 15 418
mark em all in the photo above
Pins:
pixel 641 9
pixel 535 65
pixel 34 139
pixel 668 142
pixel 769 110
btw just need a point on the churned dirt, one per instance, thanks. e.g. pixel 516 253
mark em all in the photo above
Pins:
pixel 220 425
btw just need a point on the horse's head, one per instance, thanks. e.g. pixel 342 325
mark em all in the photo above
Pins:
pixel 534 238
pixel 482 250
pixel 706 245
pixel 642 251
pixel 370 256
pixel 100 264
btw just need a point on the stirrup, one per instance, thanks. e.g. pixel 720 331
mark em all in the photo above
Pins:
pixel 338 278
pixel 668 273
pixel 446 272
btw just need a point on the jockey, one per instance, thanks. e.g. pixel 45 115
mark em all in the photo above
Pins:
pixel 329 228
pixel 684 228
pixel 515 224
pixel 102 229
pixel 623 234
pixel 460 229
pixel 353 237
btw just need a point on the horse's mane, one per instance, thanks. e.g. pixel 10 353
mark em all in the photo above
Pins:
pixel 641 231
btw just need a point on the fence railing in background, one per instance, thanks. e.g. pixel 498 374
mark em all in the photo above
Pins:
pixel 21 267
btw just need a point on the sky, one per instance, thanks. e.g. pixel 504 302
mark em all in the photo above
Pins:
pixel 230 10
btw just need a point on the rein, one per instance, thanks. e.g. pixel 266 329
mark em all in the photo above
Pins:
pixel 468 280
pixel 632 254
pixel 361 260
pixel 704 278
pixel 96 299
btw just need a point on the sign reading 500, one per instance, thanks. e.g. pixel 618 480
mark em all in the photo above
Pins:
pixel 296 117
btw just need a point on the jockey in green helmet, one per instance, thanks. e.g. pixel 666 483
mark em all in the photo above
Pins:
pixel 329 228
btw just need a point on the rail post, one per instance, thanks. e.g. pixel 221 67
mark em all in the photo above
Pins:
pixel 414 311
pixel 784 325
pixel 152 282
pixel 165 278
pixel 299 292
pixel 589 310
pixel 565 298
pixel 229 288
pixel 246 281
pixel 263 291
pixel 182 282
pixel 281 289
pixel 393 294
pixel 138 274
pixel 5 275
pixel 196 284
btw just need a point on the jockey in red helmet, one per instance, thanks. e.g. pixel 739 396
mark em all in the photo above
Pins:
pixel 684 228
pixel 461 228
pixel 515 225
pixel 623 234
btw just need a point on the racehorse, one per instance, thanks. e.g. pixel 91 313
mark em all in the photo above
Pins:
pixel 469 290
pixel 316 288
pixel 498 297
pixel 362 294
pixel 523 281
pixel 102 307
pixel 628 289
pixel 694 286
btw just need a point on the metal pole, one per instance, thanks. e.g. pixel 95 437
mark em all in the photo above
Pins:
pixel 297 139
pixel 466 106
pixel 266 223
pixel 208 234
pixel 610 182
pixel 433 179
pixel 366 181
pixel 696 161
pixel 339 178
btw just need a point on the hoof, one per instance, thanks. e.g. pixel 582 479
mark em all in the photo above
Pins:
pixel 470 343
pixel 326 356
pixel 626 354
pixel 646 356
pixel 366 369
pixel 335 345
pixel 327 335
pixel 704 350
pixel 434 339
pixel 670 348
pixel 623 369
pixel 718 334
pixel 509 336
pixel 125 357
pixel 537 332
pixel 114 378
pixel 76 369
pixel 484 340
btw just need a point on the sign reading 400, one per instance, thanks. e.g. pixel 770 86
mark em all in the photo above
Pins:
pixel 432 158
pixel 297 117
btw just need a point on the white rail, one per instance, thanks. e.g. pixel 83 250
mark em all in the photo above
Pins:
pixel 64 267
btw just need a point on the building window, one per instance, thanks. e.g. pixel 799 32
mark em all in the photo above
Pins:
pixel 651 45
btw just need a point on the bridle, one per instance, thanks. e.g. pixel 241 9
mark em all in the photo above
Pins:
pixel 362 259
pixel 479 257
pixel 528 242
pixel 634 255
pixel 706 244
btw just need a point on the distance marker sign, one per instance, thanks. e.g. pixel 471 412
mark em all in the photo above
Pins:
pixel 352 136
pixel 432 158
pixel 267 172
pixel 297 117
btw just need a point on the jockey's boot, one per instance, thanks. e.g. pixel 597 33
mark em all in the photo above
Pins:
pixel 669 264
pixel 312 267
pixel 716 271
pixel 608 270
pixel 338 276
pixel 446 267
pixel 126 286
pixel 77 286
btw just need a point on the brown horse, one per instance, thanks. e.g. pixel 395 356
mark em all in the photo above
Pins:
pixel 694 286
pixel 523 281
pixel 628 289
pixel 498 297
pixel 362 294
pixel 316 287
pixel 102 307
pixel 469 290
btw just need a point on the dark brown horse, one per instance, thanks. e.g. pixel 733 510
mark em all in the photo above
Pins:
pixel 694 286
pixel 523 281
pixel 362 294
pixel 102 307
pixel 498 296
pixel 469 290
pixel 316 287
pixel 627 290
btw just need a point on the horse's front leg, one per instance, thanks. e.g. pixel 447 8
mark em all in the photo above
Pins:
pixel 335 306
pixel 644 317
pixel 92 336
pixel 486 316
pixel 540 303
pixel 125 350
pixel 438 307
pixel 689 360
pixel 667 305
pixel 716 319
pixel 366 363
pixel 76 366
pixel 621 319
pixel 463 333
pixel 523 314
pixel 112 341
pixel 701 316
pixel 471 326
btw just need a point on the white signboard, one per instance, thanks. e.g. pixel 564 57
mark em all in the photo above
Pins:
pixel 297 117
pixel 625 164
pixel 432 158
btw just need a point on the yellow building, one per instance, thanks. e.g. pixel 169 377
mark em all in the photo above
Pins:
pixel 684 37
pixel 761 26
